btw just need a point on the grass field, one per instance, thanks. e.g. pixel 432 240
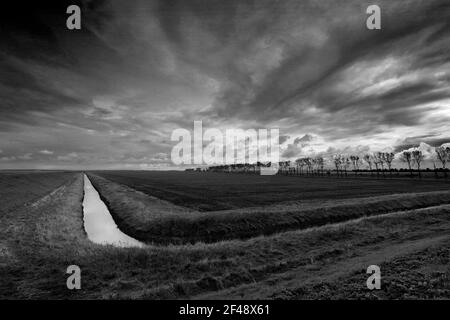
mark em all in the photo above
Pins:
pixel 156 221
pixel 21 187
pixel 406 234
pixel 221 191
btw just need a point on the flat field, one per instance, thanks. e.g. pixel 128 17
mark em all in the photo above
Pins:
pixel 406 233
pixel 220 191
pixel 18 188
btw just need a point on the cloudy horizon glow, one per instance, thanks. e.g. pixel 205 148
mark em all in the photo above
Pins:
pixel 110 95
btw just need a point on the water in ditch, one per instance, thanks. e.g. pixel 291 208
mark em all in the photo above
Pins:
pixel 98 222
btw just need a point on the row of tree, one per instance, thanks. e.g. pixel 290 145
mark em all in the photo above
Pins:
pixel 376 162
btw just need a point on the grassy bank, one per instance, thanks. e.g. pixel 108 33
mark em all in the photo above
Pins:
pixel 152 220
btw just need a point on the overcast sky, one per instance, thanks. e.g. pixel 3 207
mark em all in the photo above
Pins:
pixel 110 95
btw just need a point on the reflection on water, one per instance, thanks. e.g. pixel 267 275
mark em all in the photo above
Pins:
pixel 98 223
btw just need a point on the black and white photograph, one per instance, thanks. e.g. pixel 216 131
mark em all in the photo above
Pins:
pixel 225 150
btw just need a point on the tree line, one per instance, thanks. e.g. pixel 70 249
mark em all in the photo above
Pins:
pixel 377 163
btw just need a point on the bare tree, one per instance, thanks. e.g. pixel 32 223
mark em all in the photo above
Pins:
pixel 407 157
pixel 313 164
pixel 380 159
pixel 376 162
pixel 418 157
pixel 337 159
pixel 304 163
pixel 388 158
pixel 284 166
pixel 309 164
pixel 368 158
pixel 298 164
pixel 443 154
pixel 346 163
pixel 356 162
pixel 288 166
pixel 320 161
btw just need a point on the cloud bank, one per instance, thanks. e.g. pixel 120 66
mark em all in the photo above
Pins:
pixel 110 95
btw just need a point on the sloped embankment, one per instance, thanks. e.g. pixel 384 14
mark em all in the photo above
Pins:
pixel 149 219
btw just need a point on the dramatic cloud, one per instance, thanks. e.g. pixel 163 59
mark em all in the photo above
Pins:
pixel 110 95
pixel 411 142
